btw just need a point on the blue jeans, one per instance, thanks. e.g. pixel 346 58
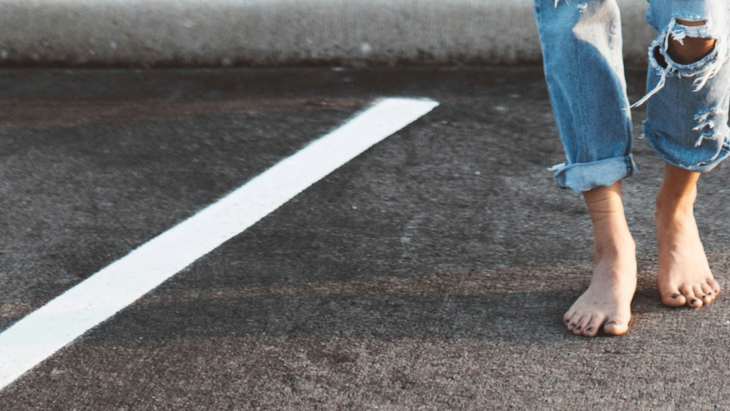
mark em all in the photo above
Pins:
pixel 687 105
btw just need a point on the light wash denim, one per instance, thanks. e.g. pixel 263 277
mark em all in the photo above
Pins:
pixel 687 105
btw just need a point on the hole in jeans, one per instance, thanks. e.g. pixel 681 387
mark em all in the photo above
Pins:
pixel 659 57
pixel 688 45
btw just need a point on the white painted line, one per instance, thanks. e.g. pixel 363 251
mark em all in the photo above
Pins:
pixel 55 325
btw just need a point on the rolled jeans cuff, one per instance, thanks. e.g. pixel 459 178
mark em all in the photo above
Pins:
pixel 580 177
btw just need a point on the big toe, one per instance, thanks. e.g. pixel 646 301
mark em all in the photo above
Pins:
pixel 673 298
pixel 617 325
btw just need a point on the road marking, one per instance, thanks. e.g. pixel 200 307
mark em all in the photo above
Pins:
pixel 55 325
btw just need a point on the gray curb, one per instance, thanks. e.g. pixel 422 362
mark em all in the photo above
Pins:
pixel 280 32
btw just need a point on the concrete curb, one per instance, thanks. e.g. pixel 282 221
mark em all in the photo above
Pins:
pixel 279 32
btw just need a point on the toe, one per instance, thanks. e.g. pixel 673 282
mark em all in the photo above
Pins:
pixel 592 328
pixel 715 286
pixel 673 298
pixel 709 295
pixel 574 321
pixel 700 293
pixel 616 325
pixel 568 316
pixel 692 300
pixel 706 299
pixel 582 324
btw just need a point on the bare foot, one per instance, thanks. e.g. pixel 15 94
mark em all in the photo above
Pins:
pixel 607 302
pixel 684 273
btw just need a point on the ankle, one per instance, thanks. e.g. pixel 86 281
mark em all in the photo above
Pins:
pixel 611 235
pixel 677 194
pixel 673 207
pixel 613 245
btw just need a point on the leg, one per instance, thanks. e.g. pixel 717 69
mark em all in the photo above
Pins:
pixel 684 274
pixel 689 83
pixel 687 126
pixel 691 49
pixel 607 302
pixel 581 44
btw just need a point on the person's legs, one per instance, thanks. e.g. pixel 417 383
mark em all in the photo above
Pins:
pixel 582 55
pixel 687 126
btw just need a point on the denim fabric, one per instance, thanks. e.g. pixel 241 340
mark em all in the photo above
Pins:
pixel 687 105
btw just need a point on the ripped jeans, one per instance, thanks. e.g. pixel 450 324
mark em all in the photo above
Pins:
pixel 687 105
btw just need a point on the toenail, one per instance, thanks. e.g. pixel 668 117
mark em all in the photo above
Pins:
pixel 578 328
pixel 675 295
pixel 694 302
pixel 589 330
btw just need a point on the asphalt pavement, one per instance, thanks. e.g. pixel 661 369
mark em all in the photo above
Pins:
pixel 431 272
